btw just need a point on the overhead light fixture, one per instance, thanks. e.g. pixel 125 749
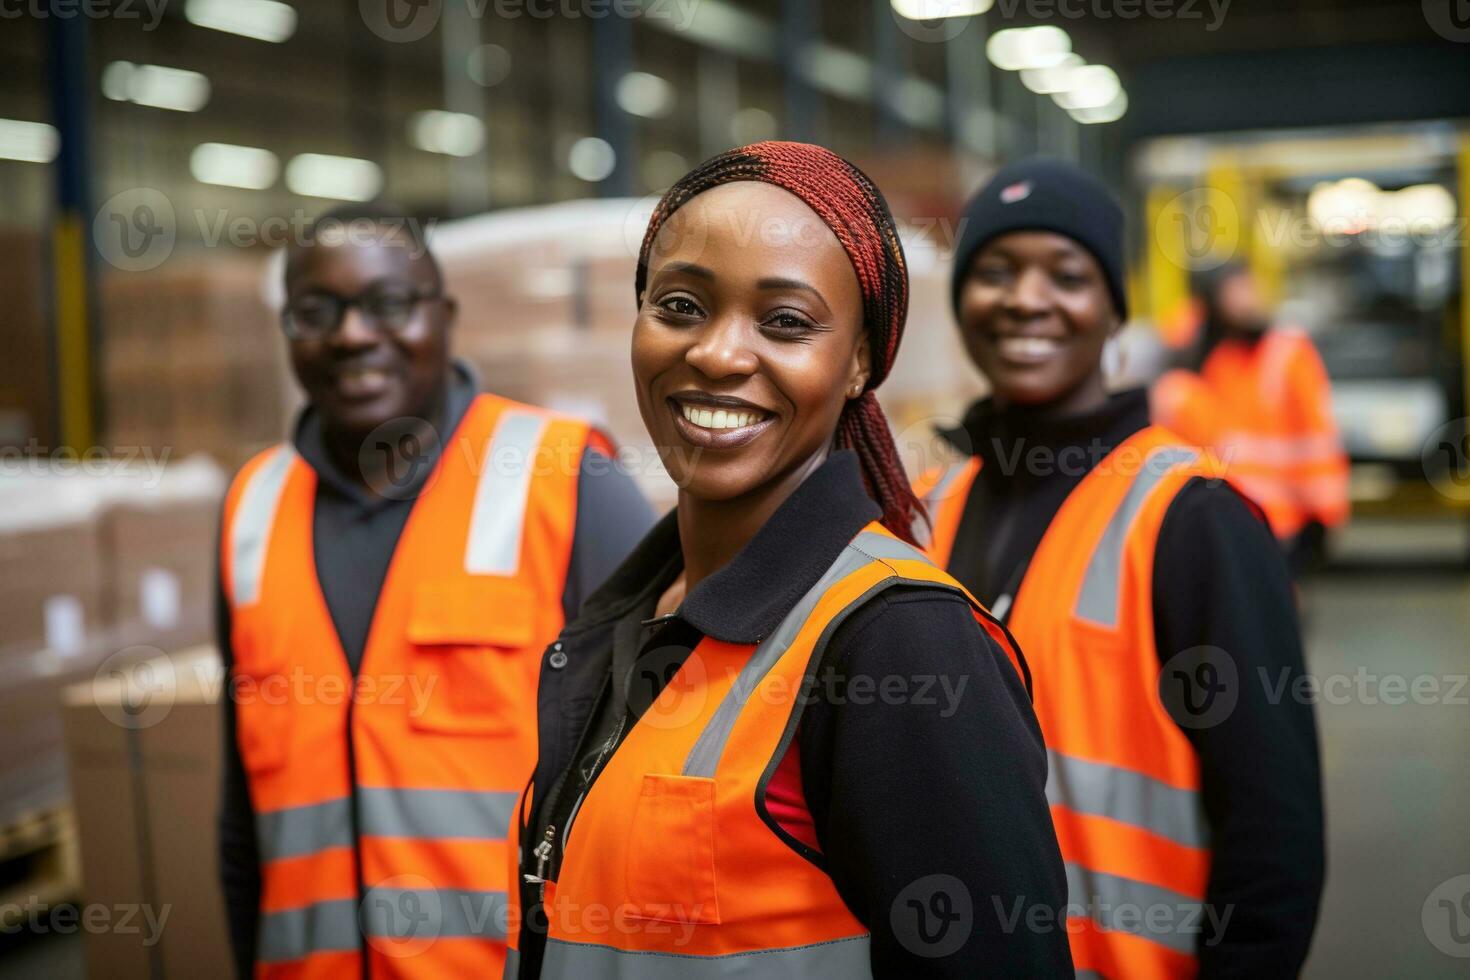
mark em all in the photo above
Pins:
pixel 1089 87
pixel 642 94
pixel 155 86
pixel 228 165
pixel 339 178
pixel 263 20
pixel 488 65
pixel 592 159
pixel 1049 81
pixel 1111 112
pixel 938 9
pixel 1017 48
pixel 456 134
pixel 751 125
pixel 28 142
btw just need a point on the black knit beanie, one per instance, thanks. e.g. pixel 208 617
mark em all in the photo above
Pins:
pixel 1045 195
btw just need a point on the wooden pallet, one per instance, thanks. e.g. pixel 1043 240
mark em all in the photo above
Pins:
pixel 38 864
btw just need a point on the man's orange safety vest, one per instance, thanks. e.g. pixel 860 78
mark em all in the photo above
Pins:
pixel 382 802
pixel 1123 781
pixel 1265 411
pixel 673 870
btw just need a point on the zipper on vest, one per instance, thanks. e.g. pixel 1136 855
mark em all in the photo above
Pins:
pixel 542 853
pixel 548 808
pixel 603 755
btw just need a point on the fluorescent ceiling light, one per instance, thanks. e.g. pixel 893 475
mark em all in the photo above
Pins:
pixel 592 159
pixel 455 134
pixel 1089 87
pixel 156 86
pixel 228 165
pixel 1049 81
pixel 642 94
pixel 838 71
pixel 1111 112
pixel 28 142
pixel 263 20
pixel 936 9
pixel 340 178
pixel 1028 47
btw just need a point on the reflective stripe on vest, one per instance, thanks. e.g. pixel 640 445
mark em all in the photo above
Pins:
pixel 325 927
pixel 923 530
pixel 820 961
pixel 496 524
pixel 251 530
pixel 705 755
pixel 1098 599
pixel 1100 790
pixel 1137 908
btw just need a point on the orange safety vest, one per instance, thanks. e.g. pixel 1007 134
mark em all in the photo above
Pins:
pixel 1123 780
pixel 673 870
pixel 1265 410
pixel 382 802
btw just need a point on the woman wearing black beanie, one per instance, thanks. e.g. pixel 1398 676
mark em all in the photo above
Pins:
pixel 1150 601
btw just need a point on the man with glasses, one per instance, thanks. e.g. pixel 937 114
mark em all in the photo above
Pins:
pixel 389 580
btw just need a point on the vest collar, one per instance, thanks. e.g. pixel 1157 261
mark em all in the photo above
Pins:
pixel 746 600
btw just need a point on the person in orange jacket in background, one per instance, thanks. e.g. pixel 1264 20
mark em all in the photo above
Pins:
pixel 1263 404
pixel 1151 602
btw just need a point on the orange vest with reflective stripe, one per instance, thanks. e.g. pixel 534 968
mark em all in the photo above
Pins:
pixel 1123 780
pixel 1265 410
pixel 382 802
pixel 673 870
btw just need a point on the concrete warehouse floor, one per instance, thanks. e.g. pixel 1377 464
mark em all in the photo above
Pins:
pixel 1397 775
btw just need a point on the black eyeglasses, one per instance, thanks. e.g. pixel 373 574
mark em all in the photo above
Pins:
pixel 314 316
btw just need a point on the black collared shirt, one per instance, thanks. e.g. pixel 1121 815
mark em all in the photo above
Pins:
pixel 944 781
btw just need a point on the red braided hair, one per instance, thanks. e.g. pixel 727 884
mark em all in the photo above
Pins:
pixel 850 204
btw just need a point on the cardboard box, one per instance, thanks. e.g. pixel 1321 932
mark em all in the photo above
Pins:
pixel 144 750
pixel 51 576
pixel 160 540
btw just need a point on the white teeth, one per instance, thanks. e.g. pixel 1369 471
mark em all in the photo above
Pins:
pixel 718 418
pixel 1028 346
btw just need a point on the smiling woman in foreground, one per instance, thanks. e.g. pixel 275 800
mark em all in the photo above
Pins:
pixel 779 742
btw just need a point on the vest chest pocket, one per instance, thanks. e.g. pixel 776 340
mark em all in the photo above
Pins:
pixel 474 656
pixel 671 854
pixel 265 712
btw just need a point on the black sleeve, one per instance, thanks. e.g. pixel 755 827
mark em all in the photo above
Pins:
pixel 612 517
pixel 239 860
pixel 1220 581
pixel 925 773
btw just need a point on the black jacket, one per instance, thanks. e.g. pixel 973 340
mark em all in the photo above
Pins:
pixel 1219 581
pixel 901 790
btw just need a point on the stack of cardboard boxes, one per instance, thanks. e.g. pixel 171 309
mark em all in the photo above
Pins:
pixel 192 359
pixel 90 564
